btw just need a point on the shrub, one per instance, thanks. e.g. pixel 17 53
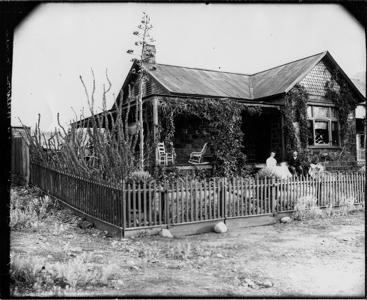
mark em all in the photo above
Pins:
pixel 346 205
pixel 266 172
pixel 278 172
pixel 140 176
pixel 329 210
pixel 26 211
pixel 316 170
pixel 25 271
pixel 306 208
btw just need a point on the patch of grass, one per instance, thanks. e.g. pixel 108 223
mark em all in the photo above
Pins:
pixel 27 209
pixel 33 275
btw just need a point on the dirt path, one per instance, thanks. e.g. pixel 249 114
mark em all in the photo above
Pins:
pixel 312 258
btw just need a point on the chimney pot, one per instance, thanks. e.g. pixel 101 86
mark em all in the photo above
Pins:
pixel 149 54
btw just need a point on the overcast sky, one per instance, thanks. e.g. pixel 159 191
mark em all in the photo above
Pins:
pixel 60 41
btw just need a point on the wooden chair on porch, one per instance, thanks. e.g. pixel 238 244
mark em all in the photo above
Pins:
pixel 164 158
pixel 196 157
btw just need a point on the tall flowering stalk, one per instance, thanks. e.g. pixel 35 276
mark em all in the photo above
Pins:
pixel 144 54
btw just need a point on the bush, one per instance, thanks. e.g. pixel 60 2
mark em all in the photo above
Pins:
pixel 278 172
pixel 346 205
pixel 26 211
pixel 317 170
pixel 306 208
pixel 140 176
pixel 266 172
pixel 25 271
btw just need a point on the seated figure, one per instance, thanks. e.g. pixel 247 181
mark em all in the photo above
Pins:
pixel 295 164
pixel 271 161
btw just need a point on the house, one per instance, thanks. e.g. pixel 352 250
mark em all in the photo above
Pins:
pixel 267 89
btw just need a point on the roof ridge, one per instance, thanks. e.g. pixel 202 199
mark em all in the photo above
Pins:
pixel 323 52
pixel 211 70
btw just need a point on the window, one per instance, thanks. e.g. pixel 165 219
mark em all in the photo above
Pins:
pixel 322 126
pixel 321 132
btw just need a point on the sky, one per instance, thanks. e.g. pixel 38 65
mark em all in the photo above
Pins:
pixel 58 42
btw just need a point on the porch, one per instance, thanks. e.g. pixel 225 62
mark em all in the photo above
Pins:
pixel 262 134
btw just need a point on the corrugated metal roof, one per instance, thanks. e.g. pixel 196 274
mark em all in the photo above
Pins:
pixel 280 79
pixel 183 80
pixel 192 81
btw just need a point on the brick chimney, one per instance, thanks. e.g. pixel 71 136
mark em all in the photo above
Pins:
pixel 149 54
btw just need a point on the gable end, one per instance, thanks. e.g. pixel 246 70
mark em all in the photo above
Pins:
pixel 314 82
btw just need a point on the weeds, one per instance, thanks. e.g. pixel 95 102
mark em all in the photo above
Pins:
pixel 33 274
pixel 306 208
pixel 346 205
pixel 27 212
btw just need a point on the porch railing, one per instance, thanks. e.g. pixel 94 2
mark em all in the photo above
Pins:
pixel 136 205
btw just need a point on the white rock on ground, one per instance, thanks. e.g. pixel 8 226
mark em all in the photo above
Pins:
pixel 285 219
pixel 165 233
pixel 220 227
pixel 267 283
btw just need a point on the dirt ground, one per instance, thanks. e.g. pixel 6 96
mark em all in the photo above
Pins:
pixel 324 257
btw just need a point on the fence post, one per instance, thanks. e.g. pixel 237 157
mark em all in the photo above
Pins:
pixel 124 214
pixel 164 202
pixel 223 192
pixel 273 196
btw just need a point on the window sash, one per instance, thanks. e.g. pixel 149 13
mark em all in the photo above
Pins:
pixel 331 114
pixel 330 119
pixel 320 129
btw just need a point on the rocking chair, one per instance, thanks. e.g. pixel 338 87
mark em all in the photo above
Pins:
pixel 196 157
pixel 164 158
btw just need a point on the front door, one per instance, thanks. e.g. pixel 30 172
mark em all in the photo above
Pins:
pixel 257 139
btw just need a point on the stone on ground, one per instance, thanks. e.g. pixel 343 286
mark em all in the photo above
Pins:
pixel 220 227
pixel 165 233
pixel 85 224
pixel 266 283
pixel 285 220
pixel 250 283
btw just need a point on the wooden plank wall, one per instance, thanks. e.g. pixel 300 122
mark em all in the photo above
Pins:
pixel 20 160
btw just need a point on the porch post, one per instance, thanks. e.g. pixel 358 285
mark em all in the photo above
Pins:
pixel 283 142
pixel 155 124
pixel 155 120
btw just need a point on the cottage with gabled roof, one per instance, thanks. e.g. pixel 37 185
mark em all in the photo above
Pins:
pixel 266 89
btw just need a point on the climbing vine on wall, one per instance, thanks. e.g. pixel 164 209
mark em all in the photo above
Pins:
pixel 224 134
pixel 295 110
pixel 337 91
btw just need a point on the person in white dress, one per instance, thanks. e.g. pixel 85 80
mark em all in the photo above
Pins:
pixel 271 162
pixel 281 171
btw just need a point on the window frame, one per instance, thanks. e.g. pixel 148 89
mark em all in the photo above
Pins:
pixel 329 119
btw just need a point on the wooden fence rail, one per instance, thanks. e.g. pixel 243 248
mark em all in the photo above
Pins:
pixel 136 205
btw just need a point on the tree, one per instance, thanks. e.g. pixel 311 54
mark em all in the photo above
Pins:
pixel 144 54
